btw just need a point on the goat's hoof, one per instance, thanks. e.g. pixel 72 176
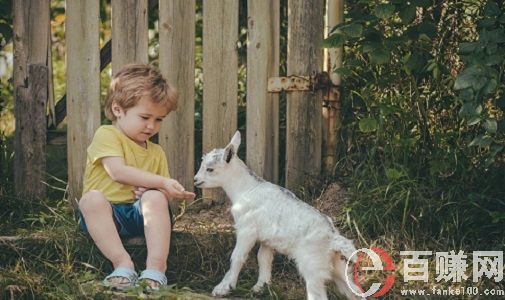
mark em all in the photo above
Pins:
pixel 221 289
pixel 258 287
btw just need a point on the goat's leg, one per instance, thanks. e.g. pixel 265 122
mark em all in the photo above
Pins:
pixel 313 267
pixel 316 289
pixel 265 257
pixel 245 242
pixel 339 277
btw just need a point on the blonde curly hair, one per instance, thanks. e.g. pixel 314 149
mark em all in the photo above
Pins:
pixel 135 81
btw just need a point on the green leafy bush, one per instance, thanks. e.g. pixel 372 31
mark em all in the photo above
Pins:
pixel 423 99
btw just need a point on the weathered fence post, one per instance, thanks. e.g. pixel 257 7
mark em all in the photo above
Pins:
pixel 332 107
pixel 263 107
pixel 177 63
pixel 220 79
pixel 83 87
pixel 31 33
pixel 30 141
pixel 129 33
pixel 305 57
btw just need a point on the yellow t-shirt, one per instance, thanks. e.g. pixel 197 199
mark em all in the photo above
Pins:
pixel 110 141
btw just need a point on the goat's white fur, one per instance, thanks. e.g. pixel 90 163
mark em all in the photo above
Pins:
pixel 281 222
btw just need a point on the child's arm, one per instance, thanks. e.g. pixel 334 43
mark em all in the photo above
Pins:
pixel 117 169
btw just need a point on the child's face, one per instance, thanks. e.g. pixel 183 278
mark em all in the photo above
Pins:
pixel 141 121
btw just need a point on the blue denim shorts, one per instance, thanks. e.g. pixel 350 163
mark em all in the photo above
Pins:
pixel 128 218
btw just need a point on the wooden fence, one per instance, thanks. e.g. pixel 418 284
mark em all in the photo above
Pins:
pixel 304 132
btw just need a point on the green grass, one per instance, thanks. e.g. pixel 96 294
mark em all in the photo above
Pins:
pixel 393 211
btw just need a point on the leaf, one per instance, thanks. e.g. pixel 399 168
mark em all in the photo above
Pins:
pixel 394 174
pixel 497 35
pixel 408 14
pixel 470 77
pixel 463 81
pixel 353 30
pixel 491 125
pixel 387 109
pixel 495 149
pixel 473 120
pixel 436 72
pixel 384 11
pixel 379 57
pixel 491 48
pixel 470 109
pixel 466 95
pixel 427 28
pixel 370 47
pixel 490 86
pixel 368 125
pixel 488 22
pixel 467 48
pixel 343 71
pixel 491 9
pixel 414 63
pixel 479 82
pixel 481 141
pixel 335 40
pixel 372 35
pixel 495 59
pixel 439 165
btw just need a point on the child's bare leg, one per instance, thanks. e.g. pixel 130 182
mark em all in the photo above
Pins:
pixel 157 229
pixel 97 213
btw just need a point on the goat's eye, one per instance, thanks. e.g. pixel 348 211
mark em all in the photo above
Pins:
pixel 210 170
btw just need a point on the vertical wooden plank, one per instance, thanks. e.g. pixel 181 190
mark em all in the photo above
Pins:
pixel 332 110
pixel 38 30
pixel 83 87
pixel 263 107
pixel 30 39
pixel 334 16
pixel 220 79
pixel 20 75
pixel 20 41
pixel 305 57
pixel 30 140
pixel 177 64
pixel 31 35
pixel 129 33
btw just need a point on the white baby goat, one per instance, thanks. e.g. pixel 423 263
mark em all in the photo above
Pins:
pixel 281 222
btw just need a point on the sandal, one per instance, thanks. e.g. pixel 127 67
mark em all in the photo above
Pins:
pixel 121 272
pixel 153 275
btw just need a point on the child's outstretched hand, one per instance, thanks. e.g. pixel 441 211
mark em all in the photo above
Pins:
pixel 174 189
pixel 138 191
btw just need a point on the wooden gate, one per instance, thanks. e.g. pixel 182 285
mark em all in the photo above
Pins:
pixel 220 76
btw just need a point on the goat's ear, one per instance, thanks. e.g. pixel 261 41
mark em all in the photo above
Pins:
pixel 229 151
pixel 232 147
pixel 235 140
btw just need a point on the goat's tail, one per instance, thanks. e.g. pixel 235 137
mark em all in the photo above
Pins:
pixel 344 246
